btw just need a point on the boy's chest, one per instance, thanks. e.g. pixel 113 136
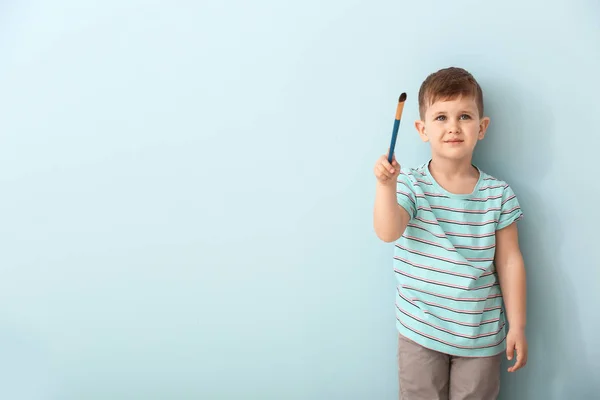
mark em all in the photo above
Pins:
pixel 466 225
pixel 460 187
pixel 475 212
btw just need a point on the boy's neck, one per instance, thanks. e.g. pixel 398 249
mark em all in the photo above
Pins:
pixel 452 169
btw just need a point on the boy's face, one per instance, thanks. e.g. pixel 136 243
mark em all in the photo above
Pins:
pixel 453 128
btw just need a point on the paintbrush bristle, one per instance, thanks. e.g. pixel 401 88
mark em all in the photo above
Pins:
pixel 402 98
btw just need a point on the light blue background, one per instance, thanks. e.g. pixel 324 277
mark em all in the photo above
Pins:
pixel 187 190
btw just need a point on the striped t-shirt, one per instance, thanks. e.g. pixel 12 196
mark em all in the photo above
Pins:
pixel 448 295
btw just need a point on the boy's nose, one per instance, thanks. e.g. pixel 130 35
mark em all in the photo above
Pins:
pixel 453 128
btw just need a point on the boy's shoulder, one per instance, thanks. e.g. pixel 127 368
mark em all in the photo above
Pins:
pixel 414 172
pixel 491 181
pixel 415 175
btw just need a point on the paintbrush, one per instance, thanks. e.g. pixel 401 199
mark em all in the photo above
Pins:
pixel 399 109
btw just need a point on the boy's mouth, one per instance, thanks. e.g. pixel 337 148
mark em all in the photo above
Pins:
pixel 454 141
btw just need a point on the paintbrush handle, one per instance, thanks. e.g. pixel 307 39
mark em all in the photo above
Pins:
pixel 393 143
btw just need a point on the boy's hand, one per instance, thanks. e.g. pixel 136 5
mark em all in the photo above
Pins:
pixel 516 340
pixel 387 173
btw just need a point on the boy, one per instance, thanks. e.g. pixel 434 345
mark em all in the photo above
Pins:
pixel 457 256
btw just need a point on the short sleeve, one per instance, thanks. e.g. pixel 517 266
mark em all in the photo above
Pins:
pixel 510 209
pixel 405 194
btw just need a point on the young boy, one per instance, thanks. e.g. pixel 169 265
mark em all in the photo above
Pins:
pixel 457 258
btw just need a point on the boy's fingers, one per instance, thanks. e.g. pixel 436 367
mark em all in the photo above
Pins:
pixel 387 172
pixel 513 367
pixel 510 348
pixel 521 356
pixel 387 165
pixel 382 171
pixel 395 164
pixel 518 364
pixel 510 354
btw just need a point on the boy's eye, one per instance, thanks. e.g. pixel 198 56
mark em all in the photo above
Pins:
pixel 440 118
pixel 465 116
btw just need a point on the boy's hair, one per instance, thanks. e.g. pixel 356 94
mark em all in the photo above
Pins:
pixel 449 84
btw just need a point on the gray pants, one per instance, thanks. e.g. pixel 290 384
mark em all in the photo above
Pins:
pixel 426 374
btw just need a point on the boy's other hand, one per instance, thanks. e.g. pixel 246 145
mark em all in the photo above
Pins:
pixel 516 340
pixel 387 173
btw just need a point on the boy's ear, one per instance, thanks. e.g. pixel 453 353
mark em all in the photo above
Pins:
pixel 483 125
pixel 420 126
